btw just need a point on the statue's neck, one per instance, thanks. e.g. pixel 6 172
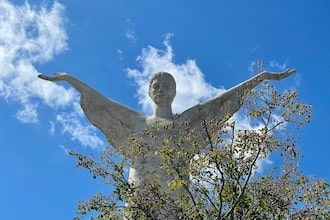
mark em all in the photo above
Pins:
pixel 163 112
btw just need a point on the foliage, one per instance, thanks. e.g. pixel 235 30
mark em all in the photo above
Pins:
pixel 219 180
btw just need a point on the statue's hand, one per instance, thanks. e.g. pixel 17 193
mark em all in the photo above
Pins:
pixel 55 78
pixel 280 75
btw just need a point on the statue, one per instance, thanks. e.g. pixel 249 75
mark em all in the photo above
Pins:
pixel 118 122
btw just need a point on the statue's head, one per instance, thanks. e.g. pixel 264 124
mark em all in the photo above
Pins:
pixel 162 88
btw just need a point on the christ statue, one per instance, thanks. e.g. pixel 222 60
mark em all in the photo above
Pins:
pixel 118 122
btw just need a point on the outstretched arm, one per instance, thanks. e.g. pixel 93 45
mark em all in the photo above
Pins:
pixel 249 84
pixel 115 120
pixel 230 101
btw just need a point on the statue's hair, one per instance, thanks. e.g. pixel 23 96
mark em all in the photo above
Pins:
pixel 163 75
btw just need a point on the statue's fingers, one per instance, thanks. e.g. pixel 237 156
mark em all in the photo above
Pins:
pixel 293 71
pixel 49 78
pixel 286 73
pixel 43 77
pixel 59 74
pixel 290 71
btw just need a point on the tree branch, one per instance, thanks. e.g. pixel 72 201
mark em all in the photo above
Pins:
pixel 230 211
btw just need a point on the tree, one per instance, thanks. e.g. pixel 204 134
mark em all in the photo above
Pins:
pixel 218 180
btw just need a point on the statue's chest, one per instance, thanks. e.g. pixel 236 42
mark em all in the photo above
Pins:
pixel 156 121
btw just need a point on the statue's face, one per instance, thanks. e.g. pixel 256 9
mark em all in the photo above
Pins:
pixel 162 91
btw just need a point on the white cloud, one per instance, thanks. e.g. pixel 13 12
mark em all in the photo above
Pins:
pixel 28 36
pixel 85 133
pixel 65 149
pixel 131 36
pixel 276 65
pixel 245 123
pixel 252 67
pixel 27 114
pixel 52 128
pixel 253 49
pixel 272 65
pixel 130 32
pixel 242 122
pixel 262 164
pixel 297 79
pixel 120 54
pixel 191 85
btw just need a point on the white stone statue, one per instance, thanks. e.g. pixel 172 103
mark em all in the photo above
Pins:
pixel 118 122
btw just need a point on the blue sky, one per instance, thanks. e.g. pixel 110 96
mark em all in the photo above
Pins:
pixel 114 46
